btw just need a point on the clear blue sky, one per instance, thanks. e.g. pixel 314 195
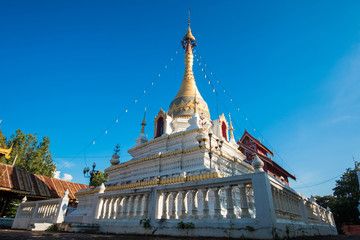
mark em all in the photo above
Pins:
pixel 68 69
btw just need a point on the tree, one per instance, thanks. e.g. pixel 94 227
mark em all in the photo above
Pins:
pixel 345 200
pixel 33 156
pixel 97 178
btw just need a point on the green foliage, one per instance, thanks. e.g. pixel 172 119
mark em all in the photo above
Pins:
pixel 185 226
pixel 33 156
pixel 145 223
pixel 52 228
pixel 98 178
pixel 345 200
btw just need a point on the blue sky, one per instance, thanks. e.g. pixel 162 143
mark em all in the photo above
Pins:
pixel 69 69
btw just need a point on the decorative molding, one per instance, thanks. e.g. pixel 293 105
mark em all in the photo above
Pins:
pixel 186 106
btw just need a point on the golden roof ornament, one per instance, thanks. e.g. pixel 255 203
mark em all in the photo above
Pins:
pixel 188 38
pixel 231 129
pixel 6 152
pixel 188 97
pixel 143 124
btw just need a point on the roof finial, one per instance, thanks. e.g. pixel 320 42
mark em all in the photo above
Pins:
pixel 231 129
pixel 189 39
pixel 143 123
pixel 189 19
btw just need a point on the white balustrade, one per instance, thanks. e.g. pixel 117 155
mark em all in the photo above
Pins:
pixel 45 212
pixel 256 200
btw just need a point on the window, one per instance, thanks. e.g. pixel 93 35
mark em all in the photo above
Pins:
pixel 159 127
pixel 224 130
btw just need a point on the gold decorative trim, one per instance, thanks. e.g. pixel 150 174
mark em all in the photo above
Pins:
pixel 162 138
pixel 186 106
pixel 153 157
pixel 157 182
pixel 96 190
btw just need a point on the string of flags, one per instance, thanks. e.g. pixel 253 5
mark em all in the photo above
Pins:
pixel 219 87
pixel 128 107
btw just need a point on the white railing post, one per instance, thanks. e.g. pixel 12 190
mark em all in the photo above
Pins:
pixel 138 206
pixel 146 206
pixel 173 206
pixel 99 203
pixel 35 213
pixel 265 212
pixel 153 204
pixel 183 214
pixel 229 203
pixel 217 206
pixel 18 214
pixel 164 210
pixel 205 203
pixel 63 204
pixel 194 210
pixel 244 202
pixel 304 215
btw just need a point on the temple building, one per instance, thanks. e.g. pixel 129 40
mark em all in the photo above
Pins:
pixel 192 178
pixel 174 151
pixel 251 146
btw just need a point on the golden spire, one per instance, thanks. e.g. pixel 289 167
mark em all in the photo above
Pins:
pixel 231 129
pixel 183 104
pixel 143 123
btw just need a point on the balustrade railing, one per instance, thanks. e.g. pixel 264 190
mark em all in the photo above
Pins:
pixel 122 206
pixel 235 205
pixel 288 205
pixel 27 210
pixel 44 211
pixel 228 200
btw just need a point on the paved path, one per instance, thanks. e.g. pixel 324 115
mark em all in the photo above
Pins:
pixel 27 235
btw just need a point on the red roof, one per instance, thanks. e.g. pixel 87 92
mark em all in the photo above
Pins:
pixel 255 140
pixel 262 157
pixel 15 179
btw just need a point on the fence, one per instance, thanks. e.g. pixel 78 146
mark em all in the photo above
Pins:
pixel 252 205
pixel 40 215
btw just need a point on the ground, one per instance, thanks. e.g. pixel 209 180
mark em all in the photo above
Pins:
pixel 21 234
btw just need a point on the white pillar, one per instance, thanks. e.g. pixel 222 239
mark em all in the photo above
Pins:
pixel 119 208
pixel 217 207
pixel 100 207
pixel 60 215
pixel 173 206
pixel 183 209
pixel 109 208
pixel 164 210
pixel 131 206
pixel 138 206
pixel 265 213
pixel 205 203
pixel 194 211
pixel 146 205
pixel 244 202
pixel 124 207
pixel 229 202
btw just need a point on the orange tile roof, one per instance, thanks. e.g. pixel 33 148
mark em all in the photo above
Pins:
pixel 15 179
